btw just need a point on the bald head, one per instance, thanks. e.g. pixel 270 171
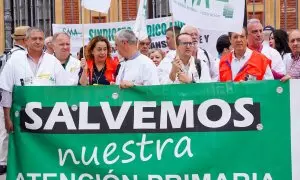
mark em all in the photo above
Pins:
pixel 49 45
pixel 294 41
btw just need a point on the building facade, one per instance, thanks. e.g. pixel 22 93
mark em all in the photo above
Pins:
pixel 43 13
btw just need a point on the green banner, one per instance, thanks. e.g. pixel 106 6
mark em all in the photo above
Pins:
pixel 214 131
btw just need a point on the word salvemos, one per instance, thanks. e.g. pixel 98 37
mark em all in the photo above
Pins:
pixel 142 116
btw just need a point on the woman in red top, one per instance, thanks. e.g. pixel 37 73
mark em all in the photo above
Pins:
pixel 98 68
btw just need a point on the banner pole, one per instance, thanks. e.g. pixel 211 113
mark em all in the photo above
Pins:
pixel 174 35
pixel 82 22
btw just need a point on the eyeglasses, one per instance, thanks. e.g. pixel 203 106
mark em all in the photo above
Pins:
pixel 186 44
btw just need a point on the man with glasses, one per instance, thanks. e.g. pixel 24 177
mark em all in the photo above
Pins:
pixel 144 46
pixel 255 42
pixel 185 68
pixel 200 53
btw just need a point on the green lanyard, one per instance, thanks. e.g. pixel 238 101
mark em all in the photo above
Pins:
pixel 65 64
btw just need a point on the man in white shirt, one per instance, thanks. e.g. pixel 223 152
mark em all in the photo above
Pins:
pixel 144 45
pixel 200 53
pixel 19 39
pixel 243 64
pixel 164 68
pixel 255 42
pixel 185 68
pixel 33 68
pixel 19 46
pixel 136 69
pixel 62 51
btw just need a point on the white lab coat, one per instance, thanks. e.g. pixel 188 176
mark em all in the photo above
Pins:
pixel 17 71
pixel 73 68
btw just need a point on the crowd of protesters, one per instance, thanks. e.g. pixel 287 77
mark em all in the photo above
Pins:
pixel 255 53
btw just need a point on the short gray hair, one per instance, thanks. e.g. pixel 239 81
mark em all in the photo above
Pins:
pixel 31 29
pixel 127 35
pixel 55 35
pixel 253 21
pixel 185 27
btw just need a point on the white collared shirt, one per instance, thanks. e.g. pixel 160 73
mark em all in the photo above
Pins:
pixel 21 70
pixel 277 62
pixel 211 63
pixel 140 70
pixel 165 67
pixel 237 64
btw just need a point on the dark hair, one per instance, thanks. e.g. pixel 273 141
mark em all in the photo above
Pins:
pixel 222 43
pixel 92 45
pixel 176 28
pixel 177 37
pixel 80 52
pixel 246 31
pixel 281 41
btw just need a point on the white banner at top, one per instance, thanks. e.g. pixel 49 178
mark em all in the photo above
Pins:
pixel 220 15
pixel 156 29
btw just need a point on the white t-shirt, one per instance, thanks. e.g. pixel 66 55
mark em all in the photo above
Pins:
pixel 140 70
pixel 277 62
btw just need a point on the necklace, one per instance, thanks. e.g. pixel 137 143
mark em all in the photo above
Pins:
pixel 100 74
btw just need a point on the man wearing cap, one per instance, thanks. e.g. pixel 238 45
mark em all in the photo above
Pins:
pixel 19 46
pixel 19 39
pixel 267 32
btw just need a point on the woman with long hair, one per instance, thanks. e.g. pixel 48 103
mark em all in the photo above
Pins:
pixel 279 41
pixel 98 68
